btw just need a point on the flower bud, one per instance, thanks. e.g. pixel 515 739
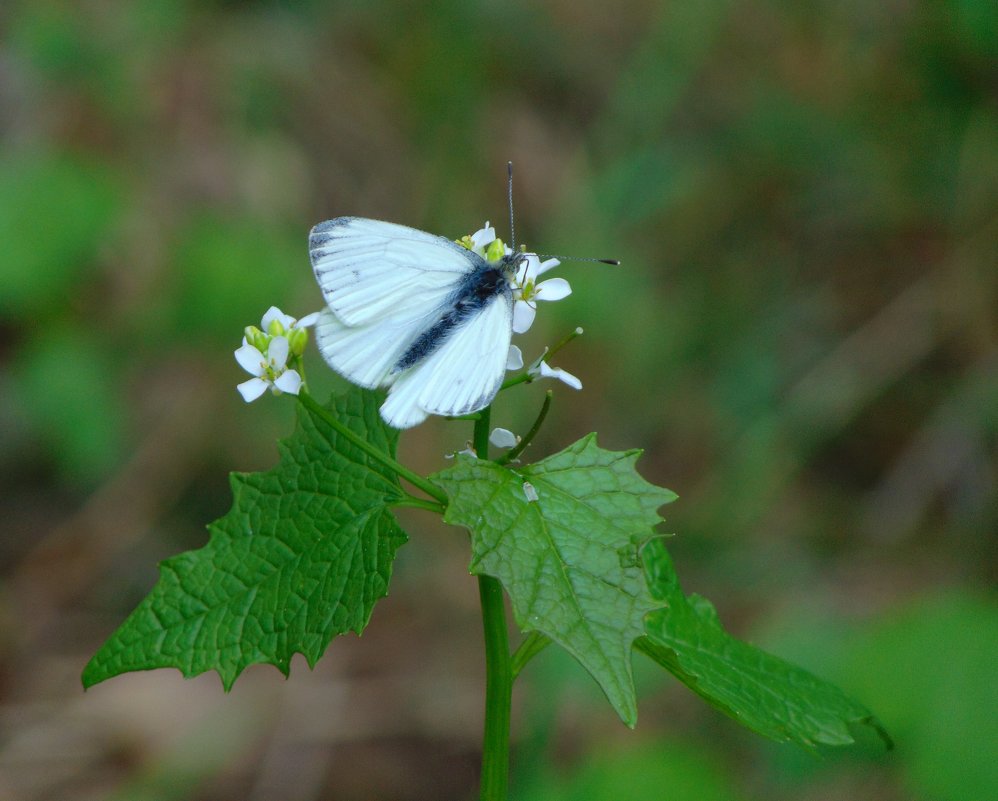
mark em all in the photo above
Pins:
pixel 495 250
pixel 256 338
pixel 298 339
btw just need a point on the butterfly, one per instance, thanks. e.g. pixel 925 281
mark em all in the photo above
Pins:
pixel 422 315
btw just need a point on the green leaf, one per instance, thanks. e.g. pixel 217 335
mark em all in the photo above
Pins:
pixel 759 690
pixel 302 556
pixel 570 560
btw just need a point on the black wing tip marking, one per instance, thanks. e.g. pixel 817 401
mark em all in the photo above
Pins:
pixel 324 231
pixel 328 225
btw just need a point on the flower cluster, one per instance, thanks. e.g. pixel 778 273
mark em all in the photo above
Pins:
pixel 266 350
pixel 485 243
pixel 527 290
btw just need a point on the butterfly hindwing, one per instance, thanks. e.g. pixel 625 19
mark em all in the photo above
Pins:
pixel 365 354
pixel 462 375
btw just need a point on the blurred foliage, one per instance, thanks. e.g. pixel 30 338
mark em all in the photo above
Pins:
pixel 803 336
pixel 645 772
pixel 944 710
pixel 68 207
pixel 928 661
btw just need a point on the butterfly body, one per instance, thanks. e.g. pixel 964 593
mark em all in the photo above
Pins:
pixel 417 313
pixel 486 284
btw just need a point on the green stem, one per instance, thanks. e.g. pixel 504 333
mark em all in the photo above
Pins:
pixel 525 377
pixel 413 502
pixel 498 671
pixel 415 479
pixel 575 332
pixel 523 443
pixel 498 692
pixel 480 439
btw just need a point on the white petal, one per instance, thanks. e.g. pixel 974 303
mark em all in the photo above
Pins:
pixel 523 316
pixel 252 389
pixel 468 451
pixel 307 320
pixel 546 371
pixel 273 313
pixel 277 352
pixel 483 237
pixel 250 359
pixel 530 492
pixel 289 381
pixel 547 264
pixel 531 268
pixel 553 289
pixel 502 438
pixel 514 359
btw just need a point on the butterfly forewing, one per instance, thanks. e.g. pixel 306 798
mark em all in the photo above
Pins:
pixel 367 269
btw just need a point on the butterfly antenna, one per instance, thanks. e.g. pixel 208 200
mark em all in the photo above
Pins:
pixel 512 232
pixel 509 193
pixel 614 262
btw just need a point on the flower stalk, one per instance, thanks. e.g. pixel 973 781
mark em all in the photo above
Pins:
pixel 498 665
pixel 402 471
pixel 523 443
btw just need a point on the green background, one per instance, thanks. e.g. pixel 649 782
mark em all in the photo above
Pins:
pixel 803 336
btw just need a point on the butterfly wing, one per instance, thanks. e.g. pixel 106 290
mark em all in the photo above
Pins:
pixel 462 375
pixel 370 270
pixel 384 285
pixel 365 354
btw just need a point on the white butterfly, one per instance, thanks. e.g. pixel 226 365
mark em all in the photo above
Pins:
pixel 417 313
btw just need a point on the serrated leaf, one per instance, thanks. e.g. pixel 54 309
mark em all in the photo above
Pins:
pixel 302 556
pixel 568 560
pixel 759 690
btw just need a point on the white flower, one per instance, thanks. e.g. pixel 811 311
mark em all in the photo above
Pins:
pixel 286 321
pixel 528 291
pixel 269 370
pixel 485 243
pixel 482 238
pixel 503 438
pixel 265 352
pixel 541 369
